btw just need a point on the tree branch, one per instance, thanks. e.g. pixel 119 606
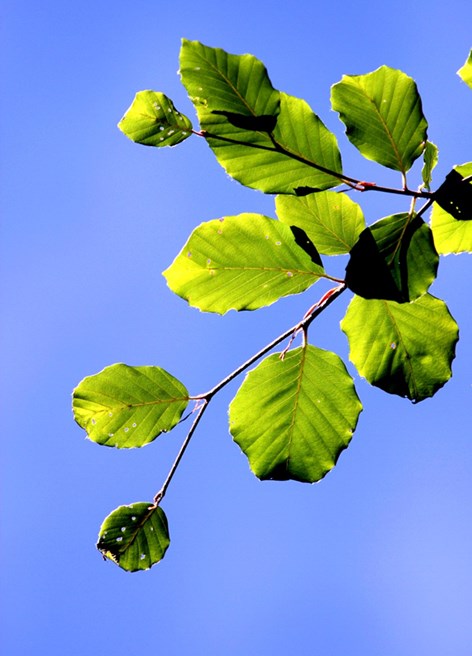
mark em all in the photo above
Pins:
pixel 354 183
pixel 205 399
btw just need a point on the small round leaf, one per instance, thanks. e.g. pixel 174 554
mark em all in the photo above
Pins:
pixel 135 537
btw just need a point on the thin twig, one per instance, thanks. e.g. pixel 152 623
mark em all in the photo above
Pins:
pixel 160 495
pixel 205 399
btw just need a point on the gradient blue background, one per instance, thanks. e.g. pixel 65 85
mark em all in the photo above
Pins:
pixel 377 558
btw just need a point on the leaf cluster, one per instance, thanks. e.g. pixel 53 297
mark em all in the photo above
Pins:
pixel 297 409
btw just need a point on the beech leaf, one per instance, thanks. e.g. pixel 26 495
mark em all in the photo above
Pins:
pixel 293 415
pixel 135 537
pixel 405 349
pixel 128 407
pixel 383 116
pixel 242 262
pixel 152 120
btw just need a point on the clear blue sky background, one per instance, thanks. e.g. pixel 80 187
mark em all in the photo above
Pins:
pixel 374 560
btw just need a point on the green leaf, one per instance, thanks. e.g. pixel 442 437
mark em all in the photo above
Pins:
pixel 394 259
pixel 404 349
pixel 135 537
pixel 453 235
pixel 265 139
pixel 332 221
pixel 383 116
pixel 241 262
pixel 128 407
pixel 430 158
pixel 152 120
pixel 465 73
pixel 455 195
pixel 293 416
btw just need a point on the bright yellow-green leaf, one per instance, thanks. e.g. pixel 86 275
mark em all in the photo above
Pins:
pixel 332 221
pixel 293 416
pixel 152 120
pixel 383 116
pixel 466 71
pixel 128 407
pixel 450 234
pixel 263 138
pixel 405 349
pixel 242 262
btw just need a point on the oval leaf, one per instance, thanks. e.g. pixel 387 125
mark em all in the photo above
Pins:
pixel 293 416
pixel 152 120
pixel 128 407
pixel 241 262
pixel 465 73
pixel 405 349
pixel 135 537
pixel 332 221
pixel 383 116
pixel 265 139
pixel 453 235
pixel 394 259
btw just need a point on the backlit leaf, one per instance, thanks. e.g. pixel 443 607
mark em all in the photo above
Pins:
pixel 405 349
pixel 265 139
pixel 135 537
pixel 127 407
pixel 453 235
pixel 241 262
pixel 332 221
pixel 466 71
pixel 430 158
pixel 383 116
pixel 152 120
pixel 293 416
pixel 394 259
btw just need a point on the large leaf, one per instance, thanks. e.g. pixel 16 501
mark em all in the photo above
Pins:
pixel 465 72
pixel 265 139
pixel 394 259
pixel 451 220
pixel 405 349
pixel 383 116
pixel 128 407
pixel 152 120
pixel 293 416
pixel 241 262
pixel 236 85
pixel 135 537
pixel 332 221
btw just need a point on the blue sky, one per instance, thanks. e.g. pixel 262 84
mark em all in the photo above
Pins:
pixel 375 559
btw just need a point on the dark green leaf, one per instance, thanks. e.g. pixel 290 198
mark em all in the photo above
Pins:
pixel 293 416
pixel 383 116
pixel 225 88
pixel 405 349
pixel 135 537
pixel 241 263
pixel 152 120
pixel 128 407
pixel 331 220
pixel 394 259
